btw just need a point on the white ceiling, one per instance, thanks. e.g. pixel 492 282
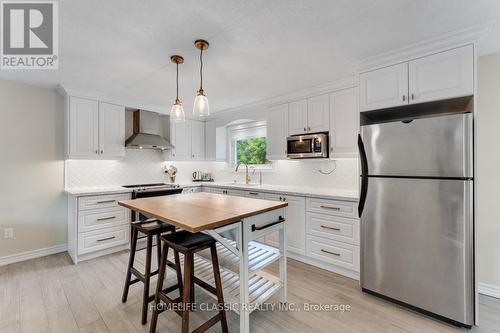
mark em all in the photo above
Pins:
pixel 258 49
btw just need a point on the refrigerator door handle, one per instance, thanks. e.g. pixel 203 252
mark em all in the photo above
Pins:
pixel 364 175
pixel 362 157
pixel 362 196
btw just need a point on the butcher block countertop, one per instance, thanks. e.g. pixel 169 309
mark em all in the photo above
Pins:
pixel 201 211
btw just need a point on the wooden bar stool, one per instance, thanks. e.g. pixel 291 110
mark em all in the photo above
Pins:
pixel 150 228
pixel 188 244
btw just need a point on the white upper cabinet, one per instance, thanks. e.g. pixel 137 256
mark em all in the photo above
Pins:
pixel 197 140
pixel 277 132
pixel 318 114
pixel 210 140
pixel 111 130
pixel 188 139
pixel 180 136
pixel 95 130
pixel 443 75
pixel 309 115
pixel 297 117
pixel 83 124
pixel 384 88
pixel 344 123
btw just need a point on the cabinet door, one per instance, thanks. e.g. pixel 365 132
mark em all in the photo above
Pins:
pixel 277 132
pixel 83 134
pixel 111 130
pixel 318 114
pixel 210 140
pixel 297 117
pixel 295 223
pixel 443 75
pixel 181 139
pixel 197 140
pixel 344 123
pixel 383 88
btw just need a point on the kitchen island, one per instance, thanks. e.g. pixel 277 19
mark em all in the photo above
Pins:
pixel 236 223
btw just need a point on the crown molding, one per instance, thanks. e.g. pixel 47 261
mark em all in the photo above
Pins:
pixel 346 81
pixel 450 40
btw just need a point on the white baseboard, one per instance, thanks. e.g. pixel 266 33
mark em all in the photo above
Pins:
pixel 489 290
pixel 33 254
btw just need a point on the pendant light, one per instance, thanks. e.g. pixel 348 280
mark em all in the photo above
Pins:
pixel 201 108
pixel 177 111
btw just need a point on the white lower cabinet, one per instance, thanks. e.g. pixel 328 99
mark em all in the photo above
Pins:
pixel 320 232
pixel 97 225
pixel 295 223
pixel 340 254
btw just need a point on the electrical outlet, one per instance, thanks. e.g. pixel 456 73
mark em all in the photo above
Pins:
pixel 8 233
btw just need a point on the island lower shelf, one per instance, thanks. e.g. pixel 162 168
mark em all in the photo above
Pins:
pixel 262 285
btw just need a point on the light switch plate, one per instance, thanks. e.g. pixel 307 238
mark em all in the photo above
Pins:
pixel 8 233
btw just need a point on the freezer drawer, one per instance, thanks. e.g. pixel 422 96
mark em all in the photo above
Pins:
pixel 430 147
pixel 417 244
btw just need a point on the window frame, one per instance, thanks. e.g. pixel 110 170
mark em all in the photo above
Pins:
pixel 232 145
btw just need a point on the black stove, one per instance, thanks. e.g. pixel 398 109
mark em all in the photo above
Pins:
pixel 151 190
pixel 153 187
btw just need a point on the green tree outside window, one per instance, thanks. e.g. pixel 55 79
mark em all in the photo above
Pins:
pixel 252 151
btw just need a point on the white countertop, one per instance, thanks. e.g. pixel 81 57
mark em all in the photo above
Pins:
pixel 97 190
pixel 326 193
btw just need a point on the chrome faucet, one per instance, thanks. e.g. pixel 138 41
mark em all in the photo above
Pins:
pixel 247 176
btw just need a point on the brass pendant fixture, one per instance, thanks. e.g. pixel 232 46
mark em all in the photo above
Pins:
pixel 177 111
pixel 201 107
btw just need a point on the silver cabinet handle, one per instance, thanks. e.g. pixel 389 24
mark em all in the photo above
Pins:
pixel 106 201
pixel 102 151
pixel 404 98
pixel 309 128
pixel 334 253
pixel 331 228
pixel 305 129
pixel 106 218
pixel 97 151
pixel 105 239
pixel 330 207
pixel 413 97
pixel 253 193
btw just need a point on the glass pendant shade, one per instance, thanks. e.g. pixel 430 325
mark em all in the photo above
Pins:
pixel 201 107
pixel 177 113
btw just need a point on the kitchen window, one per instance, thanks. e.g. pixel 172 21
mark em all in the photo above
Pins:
pixel 248 144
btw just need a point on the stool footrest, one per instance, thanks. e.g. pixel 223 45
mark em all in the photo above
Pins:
pixel 209 323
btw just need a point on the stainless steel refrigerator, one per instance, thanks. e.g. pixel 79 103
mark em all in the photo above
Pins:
pixel 416 210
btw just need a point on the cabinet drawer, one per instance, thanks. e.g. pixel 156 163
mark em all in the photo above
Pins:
pixel 254 194
pixel 333 227
pixel 101 201
pixel 102 218
pixel 332 207
pixel 97 240
pixel 334 252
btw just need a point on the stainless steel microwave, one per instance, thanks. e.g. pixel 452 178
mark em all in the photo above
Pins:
pixel 307 146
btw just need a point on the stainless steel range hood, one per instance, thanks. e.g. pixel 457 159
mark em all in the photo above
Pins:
pixel 146 132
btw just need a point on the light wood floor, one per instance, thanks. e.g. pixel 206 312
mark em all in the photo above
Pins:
pixel 52 295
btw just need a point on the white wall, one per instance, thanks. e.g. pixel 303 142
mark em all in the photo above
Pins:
pixel 32 200
pixel 487 172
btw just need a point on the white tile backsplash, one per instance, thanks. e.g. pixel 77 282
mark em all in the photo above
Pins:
pixel 146 166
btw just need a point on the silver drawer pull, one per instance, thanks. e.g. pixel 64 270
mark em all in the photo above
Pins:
pixel 335 254
pixel 331 228
pixel 106 218
pixel 105 239
pixel 253 193
pixel 106 201
pixel 330 207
